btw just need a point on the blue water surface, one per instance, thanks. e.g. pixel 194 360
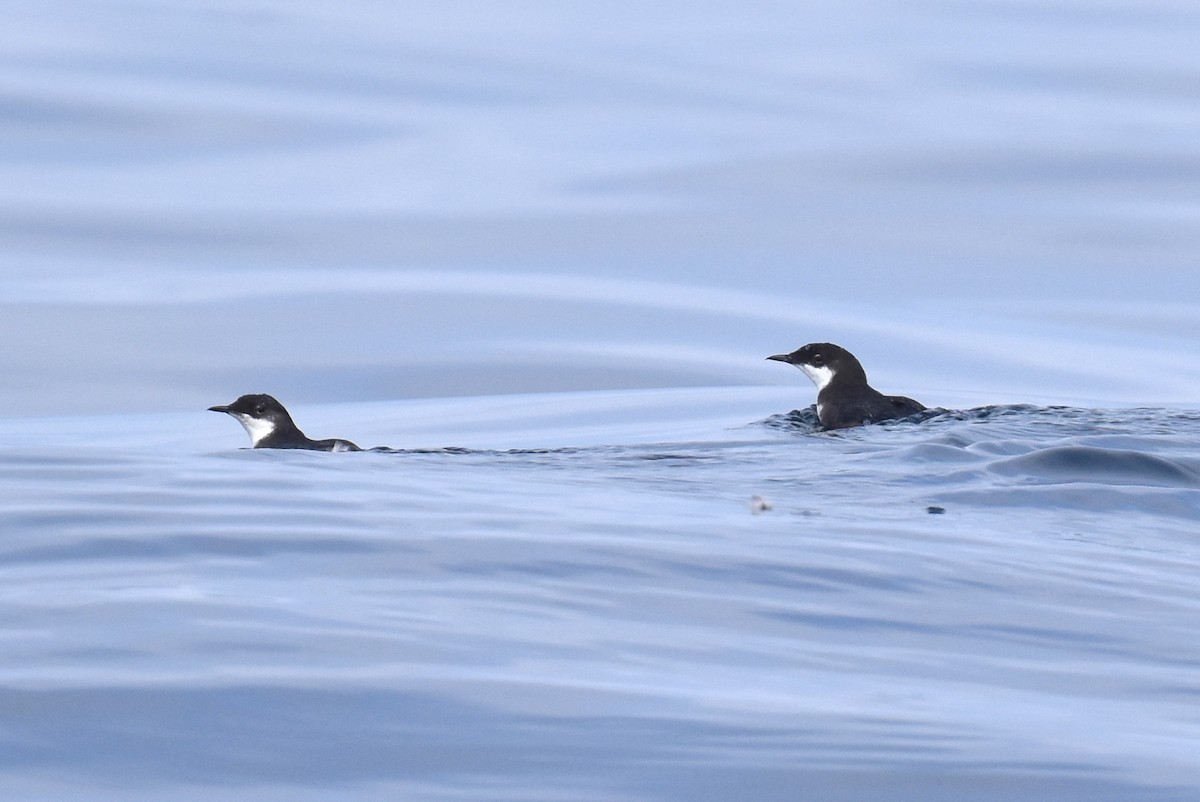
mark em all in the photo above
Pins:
pixel 983 604
pixel 540 250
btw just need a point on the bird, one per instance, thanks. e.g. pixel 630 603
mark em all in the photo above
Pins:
pixel 270 426
pixel 844 399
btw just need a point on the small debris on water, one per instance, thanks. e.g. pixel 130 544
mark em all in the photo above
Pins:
pixel 935 510
pixel 758 505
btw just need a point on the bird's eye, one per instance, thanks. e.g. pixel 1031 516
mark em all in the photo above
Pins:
pixel 260 409
pixel 818 360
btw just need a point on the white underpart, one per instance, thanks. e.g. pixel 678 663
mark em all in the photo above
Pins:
pixel 257 428
pixel 821 376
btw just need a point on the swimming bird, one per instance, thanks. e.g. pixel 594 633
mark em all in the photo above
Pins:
pixel 844 398
pixel 270 426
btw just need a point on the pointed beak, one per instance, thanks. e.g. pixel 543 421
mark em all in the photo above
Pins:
pixel 781 357
pixel 218 409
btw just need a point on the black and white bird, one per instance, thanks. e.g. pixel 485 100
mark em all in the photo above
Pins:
pixel 270 426
pixel 844 398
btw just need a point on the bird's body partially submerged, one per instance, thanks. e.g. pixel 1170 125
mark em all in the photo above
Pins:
pixel 270 426
pixel 844 398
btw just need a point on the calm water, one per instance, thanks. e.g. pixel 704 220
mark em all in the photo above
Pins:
pixel 604 616
pixel 542 251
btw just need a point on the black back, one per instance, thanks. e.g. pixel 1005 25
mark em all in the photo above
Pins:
pixel 846 399
pixel 259 407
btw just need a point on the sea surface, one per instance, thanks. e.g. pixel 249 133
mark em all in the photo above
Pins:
pixel 537 252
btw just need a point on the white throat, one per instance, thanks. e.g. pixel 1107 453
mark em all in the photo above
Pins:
pixel 820 376
pixel 257 428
